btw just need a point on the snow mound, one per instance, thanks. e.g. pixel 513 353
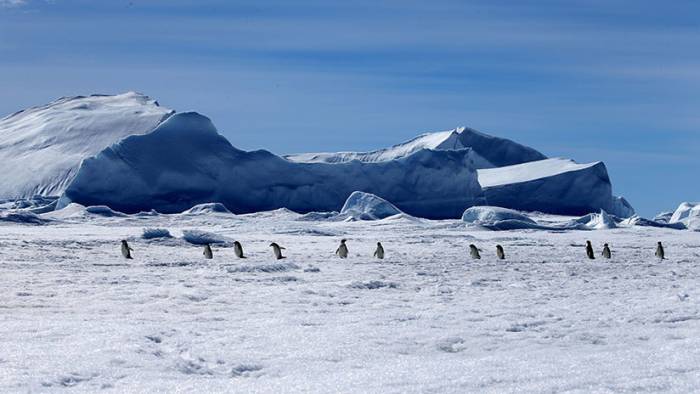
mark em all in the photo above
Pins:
pixel 70 211
pixel 688 213
pixel 497 218
pixel 199 237
pixel 318 216
pixel 184 162
pixel 558 186
pixel 103 210
pixel 151 233
pixel 594 221
pixel 489 215
pixel 42 147
pixel 485 151
pixel 643 222
pixel 373 285
pixel 273 267
pixel 22 217
pixel 367 206
pixel 212 207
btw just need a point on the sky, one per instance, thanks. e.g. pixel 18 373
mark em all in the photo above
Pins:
pixel 616 81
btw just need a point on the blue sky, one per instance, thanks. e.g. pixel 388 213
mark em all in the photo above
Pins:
pixel 616 81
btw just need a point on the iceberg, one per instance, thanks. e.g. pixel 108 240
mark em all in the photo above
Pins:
pixel 557 185
pixel 512 175
pixel 185 161
pixel 41 148
pixel 688 213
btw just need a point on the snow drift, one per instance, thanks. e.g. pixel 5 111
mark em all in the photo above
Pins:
pixel 486 151
pixel 557 186
pixel 41 147
pixel 367 206
pixel 184 162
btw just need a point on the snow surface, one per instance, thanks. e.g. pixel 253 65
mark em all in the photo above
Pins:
pixel 184 162
pixel 367 206
pixel 76 316
pixel 559 186
pixel 42 147
pixel 486 151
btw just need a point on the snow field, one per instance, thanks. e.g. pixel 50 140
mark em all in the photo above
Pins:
pixel 78 317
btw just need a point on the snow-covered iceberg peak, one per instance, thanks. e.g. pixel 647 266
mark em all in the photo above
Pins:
pixel 486 151
pixel 184 162
pixel 41 147
pixel 367 206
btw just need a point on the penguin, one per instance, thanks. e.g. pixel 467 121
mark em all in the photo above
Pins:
pixel 474 252
pixel 238 250
pixel 342 250
pixel 126 250
pixel 660 251
pixel 277 250
pixel 379 253
pixel 500 253
pixel 589 250
pixel 606 251
pixel 208 254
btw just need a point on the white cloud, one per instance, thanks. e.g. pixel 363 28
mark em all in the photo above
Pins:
pixel 12 3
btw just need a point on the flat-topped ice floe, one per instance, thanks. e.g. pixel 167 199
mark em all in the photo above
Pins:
pixel 559 186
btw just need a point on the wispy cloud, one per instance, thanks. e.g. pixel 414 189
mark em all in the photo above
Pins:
pixel 12 3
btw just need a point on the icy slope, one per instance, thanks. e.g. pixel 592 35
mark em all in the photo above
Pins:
pixel 41 147
pixel 184 162
pixel 487 151
pixel 557 185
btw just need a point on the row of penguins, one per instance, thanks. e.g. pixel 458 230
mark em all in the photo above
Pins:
pixel 342 251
